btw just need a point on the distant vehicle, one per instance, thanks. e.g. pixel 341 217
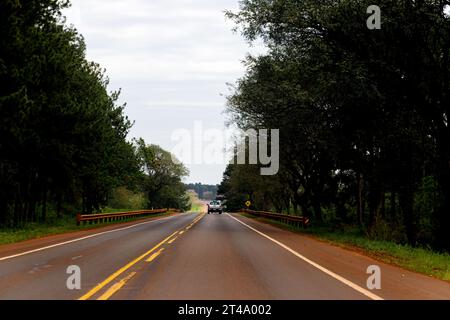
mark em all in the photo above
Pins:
pixel 215 206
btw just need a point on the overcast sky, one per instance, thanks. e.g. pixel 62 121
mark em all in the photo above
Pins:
pixel 172 60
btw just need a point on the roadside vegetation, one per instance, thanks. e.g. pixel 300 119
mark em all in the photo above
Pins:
pixel 54 226
pixel 196 205
pixel 204 191
pixel 363 119
pixel 64 145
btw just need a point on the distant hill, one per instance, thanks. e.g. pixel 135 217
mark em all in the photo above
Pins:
pixel 204 191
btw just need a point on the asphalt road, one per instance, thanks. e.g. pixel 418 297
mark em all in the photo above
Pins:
pixel 198 256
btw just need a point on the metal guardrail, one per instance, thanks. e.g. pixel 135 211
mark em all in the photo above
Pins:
pixel 288 219
pixel 117 216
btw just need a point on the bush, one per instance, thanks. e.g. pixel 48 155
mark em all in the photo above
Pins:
pixel 122 198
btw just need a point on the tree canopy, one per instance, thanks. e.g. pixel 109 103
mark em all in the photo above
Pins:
pixel 63 135
pixel 363 114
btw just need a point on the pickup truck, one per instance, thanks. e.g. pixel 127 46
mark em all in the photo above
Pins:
pixel 215 206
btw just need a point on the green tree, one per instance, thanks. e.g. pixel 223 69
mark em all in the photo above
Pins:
pixel 163 174
pixel 62 134
pixel 358 109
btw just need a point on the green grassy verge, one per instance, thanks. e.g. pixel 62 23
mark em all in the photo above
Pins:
pixel 55 226
pixel 420 260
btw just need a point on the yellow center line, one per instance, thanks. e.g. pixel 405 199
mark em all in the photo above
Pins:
pixel 122 270
pixel 116 287
pixel 105 282
pixel 153 256
pixel 173 239
pixel 194 222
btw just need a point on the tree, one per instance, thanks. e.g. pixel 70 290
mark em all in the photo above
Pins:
pixel 62 134
pixel 163 175
pixel 358 109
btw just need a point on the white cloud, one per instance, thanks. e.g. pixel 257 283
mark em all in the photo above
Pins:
pixel 183 104
pixel 172 59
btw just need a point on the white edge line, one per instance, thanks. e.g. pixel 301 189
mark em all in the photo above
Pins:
pixel 318 266
pixel 82 238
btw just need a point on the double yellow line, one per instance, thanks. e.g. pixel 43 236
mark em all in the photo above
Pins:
pixel 117 286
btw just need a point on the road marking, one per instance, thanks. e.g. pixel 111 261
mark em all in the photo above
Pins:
pixel 173 239
pixel 116 287
pixel 181 232
pixel 194 222
pixel 83 238
pixel 153 256
pixel 352 285
pixel 122 270
pixel 100 286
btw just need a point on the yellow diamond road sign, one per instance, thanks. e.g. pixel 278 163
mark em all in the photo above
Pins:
pixel 248 203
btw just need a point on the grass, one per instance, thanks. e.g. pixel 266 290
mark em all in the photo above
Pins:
pixel 421 260
pixel 55 226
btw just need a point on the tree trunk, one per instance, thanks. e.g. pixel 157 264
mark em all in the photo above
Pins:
pixel 318 211
pixel 58 206
pixel 287 203
pixel 393 204
pixel 406 198
pixel 341 211
pixel 376 204
pixel 360 203
pixel 44 204
pixel 305 211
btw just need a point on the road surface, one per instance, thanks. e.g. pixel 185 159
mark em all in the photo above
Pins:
pixel 197 256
